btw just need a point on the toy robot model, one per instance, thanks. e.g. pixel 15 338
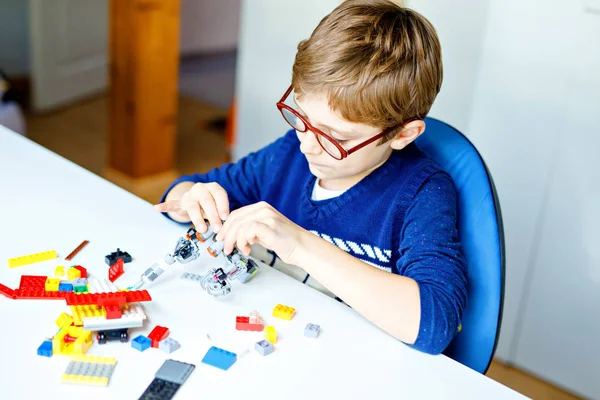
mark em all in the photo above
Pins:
pixel 217 281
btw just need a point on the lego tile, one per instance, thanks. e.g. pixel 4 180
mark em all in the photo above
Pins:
pixel 59 271
pixel 31 258
pixel 89 370
pixel 160 389
pixel 312 330
pixel 168 345
pixel 29 294
pixel 191 277
pixel 264 347
pixel 174 371
pixel 32 282
pixel 8 292
pixel 45 349
pixel 219 358
pixel 284 312
pixel 77 250
pixel 141 343
pixel 271 334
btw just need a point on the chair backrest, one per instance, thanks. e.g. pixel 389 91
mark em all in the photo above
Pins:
pixel 482 235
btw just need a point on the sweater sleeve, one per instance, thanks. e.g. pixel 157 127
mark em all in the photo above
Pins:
pixel 431 254
pixel 245 180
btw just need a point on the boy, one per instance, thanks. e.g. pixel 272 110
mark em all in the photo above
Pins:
pixel 346 199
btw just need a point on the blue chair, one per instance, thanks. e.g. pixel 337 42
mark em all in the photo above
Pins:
pixel 482 234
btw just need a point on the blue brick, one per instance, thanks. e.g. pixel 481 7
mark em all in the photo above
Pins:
pixel 264 347
pixel 219 358
pixel 45 349
pixel 141 343
pixel 65 287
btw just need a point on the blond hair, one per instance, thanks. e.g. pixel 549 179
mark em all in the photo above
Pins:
pixel 379 63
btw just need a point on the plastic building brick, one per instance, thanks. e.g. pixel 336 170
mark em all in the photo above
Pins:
pixel 59 271
pixel 73 273
pixel 81 344
pixel 114 256
pixel 271 334
pixel 113 312
pixel 168 345
pixel 8 292
pixel 77 250
pixel 52 284
pixel 116 270
pixel 63 320
pixel 160 389
pixel 175 371
pixel 39 294
pixel 32 282
pixel 93 318
pixel 169 378
pixel 312 330
pixel 112 334
pixel 141 343
pixel 192 277
pixel 102 299
pixel 89 370
pixel 264 347
pixel 45 349
pixel 158 333
pixel 80 285
pixel 31 258
pixel 243 324
pixel 65 287
pixel 284 312
pixel 82 271
pixel 219 358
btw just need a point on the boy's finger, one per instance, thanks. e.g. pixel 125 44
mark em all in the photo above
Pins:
pixel 207 202
pixel 171 205
pixel 221 200
pixel 195 215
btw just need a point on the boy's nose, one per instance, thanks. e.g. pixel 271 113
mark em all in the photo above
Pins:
pixel 309 143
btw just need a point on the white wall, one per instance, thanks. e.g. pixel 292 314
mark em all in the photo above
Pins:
pixel 14 37
pixel 209 25
pixel 461 26
pixel 269 35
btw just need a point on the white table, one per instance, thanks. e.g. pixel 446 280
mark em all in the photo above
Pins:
pixel 48 203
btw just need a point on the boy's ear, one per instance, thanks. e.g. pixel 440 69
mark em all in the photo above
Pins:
pixel 408 134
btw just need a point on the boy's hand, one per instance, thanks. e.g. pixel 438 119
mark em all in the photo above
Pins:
pixel 202 200
pixel 261 223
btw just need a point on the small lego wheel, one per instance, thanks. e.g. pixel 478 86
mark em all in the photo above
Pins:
pixel 124 337
pixel 101 338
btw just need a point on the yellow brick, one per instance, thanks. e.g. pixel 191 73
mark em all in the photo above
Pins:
pixel 284 312
pixel 271 334
pixel 73 273
pixel 31 258
pixel 83 343
pixel 64 320
pixel 59 271
pixel 89 311
pixel 85 380
pixel 52 284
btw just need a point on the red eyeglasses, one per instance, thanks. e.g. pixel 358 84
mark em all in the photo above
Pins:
pixel 329 144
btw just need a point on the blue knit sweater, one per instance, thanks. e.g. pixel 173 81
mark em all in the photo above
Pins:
pixel 401 218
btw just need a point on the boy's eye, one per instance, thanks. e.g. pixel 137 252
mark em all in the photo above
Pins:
pixel 340 141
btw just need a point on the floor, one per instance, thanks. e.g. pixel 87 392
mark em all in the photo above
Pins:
pixel 78 134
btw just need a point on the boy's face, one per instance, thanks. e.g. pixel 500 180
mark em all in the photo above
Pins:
pixel 342 174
